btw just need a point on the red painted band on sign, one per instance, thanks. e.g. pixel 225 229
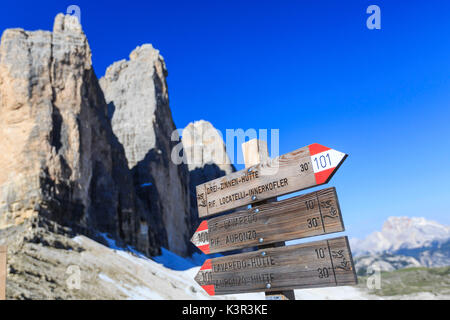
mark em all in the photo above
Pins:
pixel 316 148
pixel 207 265
pixel 210 289
pixel 203 226
pixel 322 177
pixel 205 249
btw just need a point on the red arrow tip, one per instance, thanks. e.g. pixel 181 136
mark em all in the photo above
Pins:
pixel 325 161
pixel 322 177
pixel 210 289
pixel 202 242
pixel 316 148
pixel 203 226
pixel 205 249
pixel 207 265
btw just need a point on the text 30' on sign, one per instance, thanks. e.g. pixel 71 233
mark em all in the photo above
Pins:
pixel 313 214
pixel 301 169
pixel 324 263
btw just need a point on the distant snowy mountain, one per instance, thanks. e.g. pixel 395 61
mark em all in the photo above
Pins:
pixel 400 233
pixel 403 243
pixel 384 262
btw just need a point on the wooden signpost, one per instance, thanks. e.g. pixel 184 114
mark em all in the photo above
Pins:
pixel 317 264
pixel 313 214
pixel 3 252
pixel 255 151
pixel 275 269
pixel 301 169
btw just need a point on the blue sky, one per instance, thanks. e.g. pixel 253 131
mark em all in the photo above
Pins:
pixel 309 68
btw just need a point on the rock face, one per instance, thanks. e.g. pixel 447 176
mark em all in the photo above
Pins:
pixel 98 156
pixel 384 262
pixel 206 156
pixel 59 157
pixel 138 104
pixel 205 152
pixel 45 262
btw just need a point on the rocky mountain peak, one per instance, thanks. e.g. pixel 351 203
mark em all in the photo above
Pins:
pixel 206 156
pixel 402 233
pixel 204 145
pixel 138 107
pixel 145 51
pixel 95 156
pixel 61 158
pixel 67 24
pixel 136 92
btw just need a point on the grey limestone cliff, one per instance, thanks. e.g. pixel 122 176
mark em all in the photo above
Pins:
pixel 97 156
pixel 206 155
pixel 59 156
pixel 138 104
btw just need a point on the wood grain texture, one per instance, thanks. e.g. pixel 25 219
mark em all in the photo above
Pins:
pixel 313 214
pixel 285 174
pixel 325 263
pixel 255 151
pixel 3 253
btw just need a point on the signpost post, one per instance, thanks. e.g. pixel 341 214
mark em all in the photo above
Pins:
pixel 3 252
pixel 275 268
pixel 255 151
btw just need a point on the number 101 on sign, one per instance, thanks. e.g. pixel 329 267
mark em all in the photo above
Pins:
pixel 327 160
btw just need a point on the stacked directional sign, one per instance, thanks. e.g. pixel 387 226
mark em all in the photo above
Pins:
pixel 316 264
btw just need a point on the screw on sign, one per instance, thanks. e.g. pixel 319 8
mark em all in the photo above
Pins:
pixel 298 170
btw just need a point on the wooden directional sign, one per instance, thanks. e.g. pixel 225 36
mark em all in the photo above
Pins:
pixel 304 216
pixel 301 169
pixel 324 263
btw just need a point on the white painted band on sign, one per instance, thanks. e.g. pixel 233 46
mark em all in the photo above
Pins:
pixel 201 240
pixel 326 160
